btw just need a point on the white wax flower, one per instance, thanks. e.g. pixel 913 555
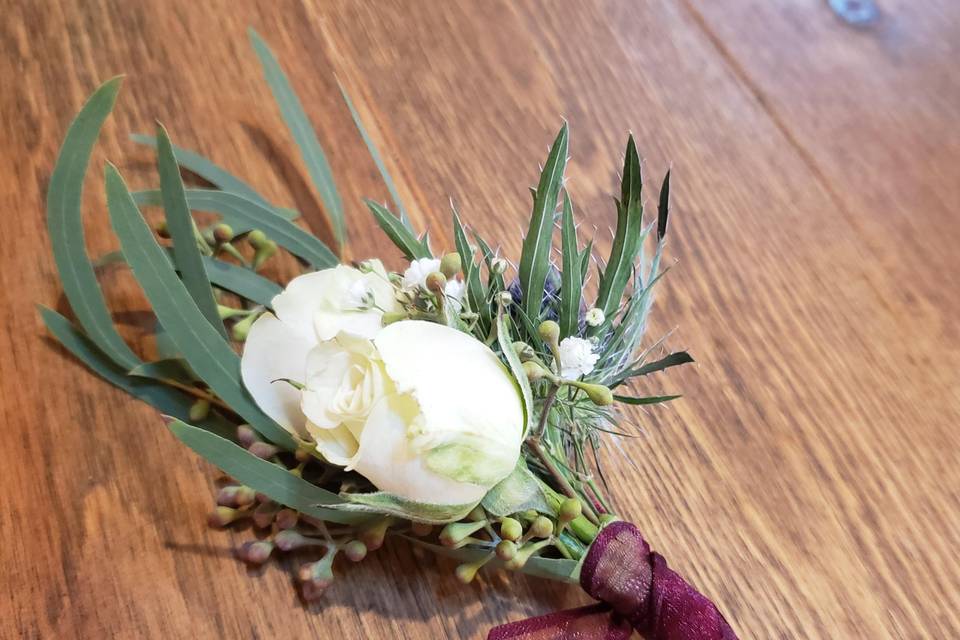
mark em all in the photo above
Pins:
pixel 595 317
pixel 416 274
pixel 576 357
pixel 423 411
pixel 454 291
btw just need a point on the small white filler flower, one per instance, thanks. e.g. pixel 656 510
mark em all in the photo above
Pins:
pixel 576 357
pixel 416 274
pixel 595 317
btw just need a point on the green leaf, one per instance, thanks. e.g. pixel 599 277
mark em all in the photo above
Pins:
pixel 176 369
pixel 183 232
pixel 401 236
pixel 585 262
pixel 243 282
pixel 571 287
pixel 505 341
pixel 215 175
pixel 388 504
pixel 263 476
pixel 517 492
pixel 647 400
pixel 476 295
pixel 626 240
pixel 663 209
pixel 237 211
pixel 208 354
pixel 535 257
pixel 303 134
pixel 65 225
pixel 494 280
pixel 161 397
pixel 672 360
pixel 377 159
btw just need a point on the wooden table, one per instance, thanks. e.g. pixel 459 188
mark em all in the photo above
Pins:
pixel 809 479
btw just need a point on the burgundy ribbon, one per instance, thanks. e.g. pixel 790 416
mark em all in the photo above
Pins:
pixel 636 590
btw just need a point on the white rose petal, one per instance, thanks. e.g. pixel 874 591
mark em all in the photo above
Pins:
pixel 576 357
pixel 416 274
pixel 323 303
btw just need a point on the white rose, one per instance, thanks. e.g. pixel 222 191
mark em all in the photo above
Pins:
pixel 423 411
pixel 313 308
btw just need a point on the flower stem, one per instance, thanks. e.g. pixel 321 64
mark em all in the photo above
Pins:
pixel 561 480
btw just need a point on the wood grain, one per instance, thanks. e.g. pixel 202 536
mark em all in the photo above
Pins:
pixel 808 481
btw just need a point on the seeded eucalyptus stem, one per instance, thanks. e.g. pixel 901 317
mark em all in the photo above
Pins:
pixel 561 480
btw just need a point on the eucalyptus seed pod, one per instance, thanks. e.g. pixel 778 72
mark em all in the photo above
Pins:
pixel 316 577
pixel 264 253
pixel 534 370
pixel 467 572
pixel 524 351
pixel 436 282
pixel 421 529
pixel 287 518
pixel 373 535
pixel 355 550
pixel 450 265
pixel 570 509
pixel 199 410
pixel 257 238
pixel 506 550
pixel 162 229
pixel 510 529
pixel 498 266
pixel 550 332
pixel 222 233
pixel 265 514
pixel 222 516
pixel 255 551
pixel 453 533
pixel 290 540
pixel 598 394
pixel 541 527
pixel 246 436
pixel 263 450
pixel 236 496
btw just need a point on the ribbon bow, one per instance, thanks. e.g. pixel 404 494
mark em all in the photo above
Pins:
pixel 636 590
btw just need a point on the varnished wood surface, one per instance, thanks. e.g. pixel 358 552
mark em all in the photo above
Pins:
pixel 809 479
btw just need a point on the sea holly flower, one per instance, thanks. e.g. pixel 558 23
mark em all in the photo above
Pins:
pixel 576 357
pixel 425 412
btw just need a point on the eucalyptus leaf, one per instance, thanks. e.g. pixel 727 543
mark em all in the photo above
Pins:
pixel 387 504
pixel 535 255
pixel 65 225
pixel 176 369
pixel 165 399
pixel 208 354
pixel 183 232
pixel 571 287
pixel 206 169
pixel 238 211
pixel 243 282
pixel 517 492
pixel 303 134
pixel 400 235
pixel 270 479
pixel 377 159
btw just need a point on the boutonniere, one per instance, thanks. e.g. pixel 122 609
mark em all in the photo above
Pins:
pixel 457 402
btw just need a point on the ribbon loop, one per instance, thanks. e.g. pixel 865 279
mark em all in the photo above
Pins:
pixel 636 590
